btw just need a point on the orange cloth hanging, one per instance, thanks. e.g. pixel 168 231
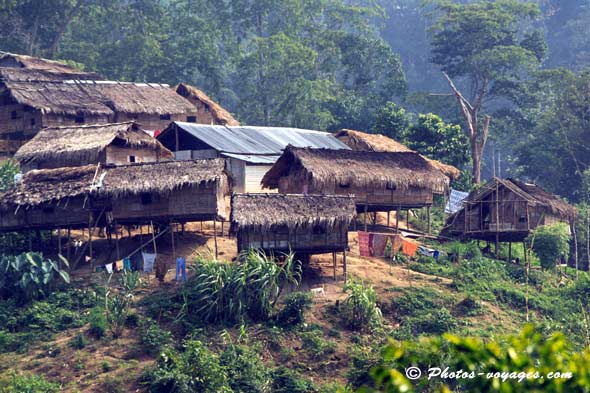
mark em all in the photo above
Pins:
pixel 409 248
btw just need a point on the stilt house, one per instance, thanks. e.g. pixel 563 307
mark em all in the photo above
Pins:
pixel 117 144
pixel 379 181
pixel 130 194
pixel 304 224
pixel 362 141
pixel 208 111
pixel 507 210
pixel 249 151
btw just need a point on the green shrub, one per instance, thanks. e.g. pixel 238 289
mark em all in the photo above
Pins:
pixel 359 310
pixel 315 343
pixel 98 322
pixel 153 338
pixel 196 369
pixel 79 341
pixel 436 321
pixel 296 304
pixel 246 373
pixel 285 380
pixel 223 292
pixel 550 243
pixel 106 366
pixel 17 383
pixel 30 275
pixel 469 307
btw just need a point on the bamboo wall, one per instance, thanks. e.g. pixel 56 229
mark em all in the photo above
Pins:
pixel 305 240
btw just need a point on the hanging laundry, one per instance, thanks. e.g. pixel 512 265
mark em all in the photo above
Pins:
pixel 127 264
pixel 109 267
pixel 364 244
pixel 379 244
pixel 409 248
pixel 180 269
pixel 148 262
pixel 119 265
pixel 396 243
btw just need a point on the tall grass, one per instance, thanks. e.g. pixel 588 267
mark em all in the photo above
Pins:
pixel 359 309
pixel 228 292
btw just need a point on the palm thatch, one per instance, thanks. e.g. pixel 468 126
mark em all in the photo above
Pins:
pixel 35 63
pixel 325 168
pixel 270 211
pixel 363 141
pixel 50 185
pixel 53 185
pixel 160 178
pixel 86 97
pixel 220 115
pixel 72 145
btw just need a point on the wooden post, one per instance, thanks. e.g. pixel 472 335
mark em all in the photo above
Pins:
pixel 59 241
pixel 525 251
pixel 153 237
pixel 117 241
pixel 428 214
pixel 173 247
pixel 388 214
pixel 397 219
pixel 575 245
pixel 215 236
pixel 366 208
pixel 497 244
pixel 334 264
pixel 509 252
pixel 408 219
pixel 222 222
pixel 344 265
pixel 90 240
pixel 69 243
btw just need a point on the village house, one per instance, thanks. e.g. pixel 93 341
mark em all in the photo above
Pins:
pixel 117 144
pixel 362 141
pixel 302 224
pixel 507 210
pixel 99 196
pixel 379 181
pixel 37 93
pixel 249 151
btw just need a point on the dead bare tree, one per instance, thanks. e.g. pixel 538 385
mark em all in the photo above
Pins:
pixel 477 134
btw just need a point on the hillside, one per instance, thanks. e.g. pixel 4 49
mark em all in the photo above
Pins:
pixel 56 339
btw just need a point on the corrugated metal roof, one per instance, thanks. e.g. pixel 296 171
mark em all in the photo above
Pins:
pixel 253 159
pixel 259 140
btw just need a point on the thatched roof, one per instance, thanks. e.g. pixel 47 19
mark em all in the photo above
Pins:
pixel 34 63
pixel 57 185
pixel 47 185
pixel 220 115
pixel 269 211
pixel 28 68
pixel 363 141
pixel 324 167
pixel 72 145
pixel 529 192
pixel 161 178
pixel 86 97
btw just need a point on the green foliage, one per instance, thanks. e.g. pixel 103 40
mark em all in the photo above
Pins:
pixel 19 383
pixel 285 380
pixel 220 292
pixel 29 275
pixel 8 169
pixel 98 322
pixel 431 136
pixel 245 372
pixel 527 352
pixel 79 341
pixel 550 243
pixel 315 343
pixel 196 369
pixel 296 304
pixel 153 338
pixel 392 120
pixel 359 310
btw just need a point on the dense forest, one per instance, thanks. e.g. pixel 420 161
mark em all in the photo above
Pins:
pixel 367 65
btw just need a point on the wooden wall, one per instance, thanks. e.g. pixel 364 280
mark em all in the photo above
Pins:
pixel 121 155
pixel 46 216
pixel 203 112
pixel 304 240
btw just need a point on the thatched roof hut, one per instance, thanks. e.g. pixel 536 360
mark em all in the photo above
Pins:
pixel 77 97
pixel 326 168
pixel 304 224
pixel 88 144
pixel 507 209
pixel 363 141
pixel 267 212
pixel 12 60
pixel 218 115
